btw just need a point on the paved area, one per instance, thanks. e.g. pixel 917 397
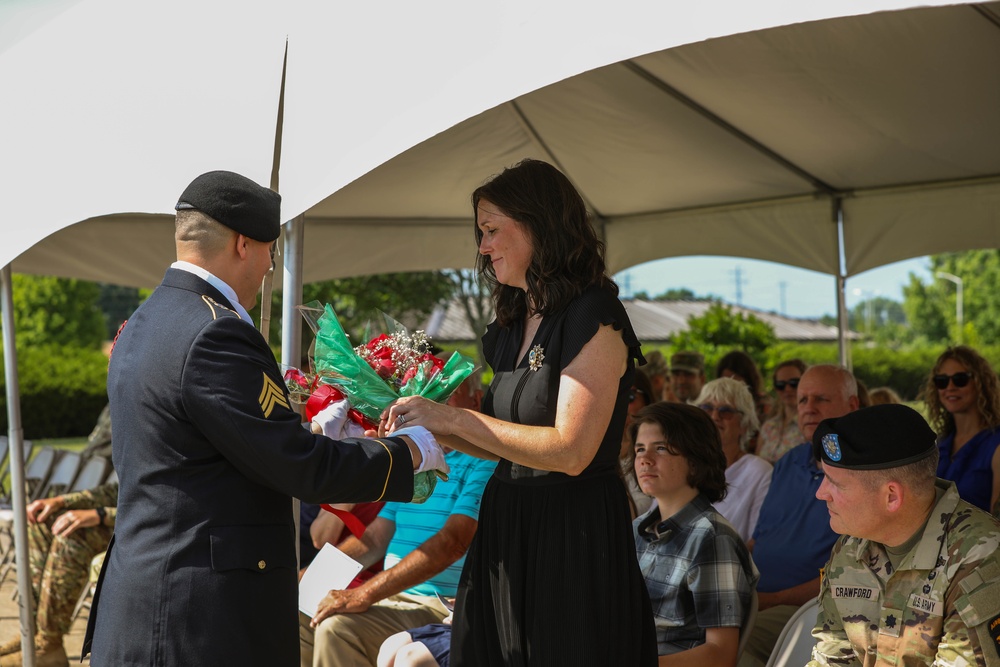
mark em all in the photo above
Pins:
pixel 10 622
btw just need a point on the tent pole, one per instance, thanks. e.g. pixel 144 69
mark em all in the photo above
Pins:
pixel 26 598
pixel 291 288
pixel 842 322
pixel 291 321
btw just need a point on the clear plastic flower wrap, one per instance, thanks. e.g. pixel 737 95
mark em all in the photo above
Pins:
pixel 392 363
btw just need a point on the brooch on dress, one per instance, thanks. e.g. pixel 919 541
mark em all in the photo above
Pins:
pixel 536 357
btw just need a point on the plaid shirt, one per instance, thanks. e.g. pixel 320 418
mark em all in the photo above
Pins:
pixel 698 572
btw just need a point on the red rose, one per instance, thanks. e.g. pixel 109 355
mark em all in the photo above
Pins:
pixel 385 368
pixel 295 375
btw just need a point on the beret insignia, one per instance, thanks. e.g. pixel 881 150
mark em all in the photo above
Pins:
pixel 831 445
pixel 271 395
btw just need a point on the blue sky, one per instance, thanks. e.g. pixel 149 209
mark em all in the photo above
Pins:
pixel 806 293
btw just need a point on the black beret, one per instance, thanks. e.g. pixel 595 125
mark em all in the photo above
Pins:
pixel 236 202
pixel 875 438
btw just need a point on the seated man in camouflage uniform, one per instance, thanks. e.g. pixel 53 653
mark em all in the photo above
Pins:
pixel 915 577
pixel 64 535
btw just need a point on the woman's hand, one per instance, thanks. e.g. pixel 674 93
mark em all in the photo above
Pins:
pixel 71 520
pixel 40 510
pixel 418 411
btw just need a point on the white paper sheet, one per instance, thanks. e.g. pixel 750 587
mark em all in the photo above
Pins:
pixel 331 569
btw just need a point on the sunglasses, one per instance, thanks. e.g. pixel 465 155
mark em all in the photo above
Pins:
pixel 781 384
pixel 724 411
pixel 959 379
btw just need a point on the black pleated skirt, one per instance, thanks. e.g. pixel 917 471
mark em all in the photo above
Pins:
pixel 551 578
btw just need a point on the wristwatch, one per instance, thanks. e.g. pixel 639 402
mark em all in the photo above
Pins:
pixel 101 513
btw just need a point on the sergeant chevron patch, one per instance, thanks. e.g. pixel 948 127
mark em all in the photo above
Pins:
pixel 271 395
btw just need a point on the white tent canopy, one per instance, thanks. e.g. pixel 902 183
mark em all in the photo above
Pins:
pixel 743 145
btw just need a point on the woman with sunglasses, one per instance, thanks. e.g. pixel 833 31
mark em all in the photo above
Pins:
pixel 781 432
pixel 963 404
pixel 730 405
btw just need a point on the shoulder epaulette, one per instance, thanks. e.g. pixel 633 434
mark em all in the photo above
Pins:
pixel 212 304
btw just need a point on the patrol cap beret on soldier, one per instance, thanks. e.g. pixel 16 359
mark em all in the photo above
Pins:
pixel 875 438
pixel 689 362
pixel 236 202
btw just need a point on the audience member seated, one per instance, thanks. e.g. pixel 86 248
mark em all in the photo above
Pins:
pixel 687 375
pixel 793 537
pixel 884 395
pixel 738 365
pixel 781 432
pixel 864 398
pixel 64 534
pixel 963 405
pixel 915 579
pixel 424 549
pixel 729 404
pixel 698 571
pixel 318 527
pixel 655 369
pixel 639 397
pixel 426 646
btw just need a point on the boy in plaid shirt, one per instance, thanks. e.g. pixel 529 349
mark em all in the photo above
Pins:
pixel 698 571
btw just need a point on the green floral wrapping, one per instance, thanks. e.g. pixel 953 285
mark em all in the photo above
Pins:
pixel 337 362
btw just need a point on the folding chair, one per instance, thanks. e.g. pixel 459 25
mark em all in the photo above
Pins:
pixel 83 602
pixel 5 499
pixel 36 476
pixel 63 474
pixel 92 473
pixel 795 643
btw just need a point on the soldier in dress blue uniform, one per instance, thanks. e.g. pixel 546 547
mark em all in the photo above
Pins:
pixel 202 568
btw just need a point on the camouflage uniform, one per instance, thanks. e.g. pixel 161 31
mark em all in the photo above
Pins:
pixel 60 566
pixel 940 606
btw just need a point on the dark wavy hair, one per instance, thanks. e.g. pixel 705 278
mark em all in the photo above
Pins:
pixel 742 364
pixel 566 255
pixel 690 433
pixel 987 390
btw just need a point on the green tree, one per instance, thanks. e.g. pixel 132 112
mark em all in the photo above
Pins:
pixel 57 311
pixel 407 297
pixel 476 302
pixel 931 307
pixel 117 303
pixel 720 330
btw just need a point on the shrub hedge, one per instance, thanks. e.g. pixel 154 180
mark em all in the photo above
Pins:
pixel 62 390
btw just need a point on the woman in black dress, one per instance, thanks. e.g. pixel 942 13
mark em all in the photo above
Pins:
pixel 551 577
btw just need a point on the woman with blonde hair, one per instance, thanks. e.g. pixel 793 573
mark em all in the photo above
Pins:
pixel 963 404
pixel 730 405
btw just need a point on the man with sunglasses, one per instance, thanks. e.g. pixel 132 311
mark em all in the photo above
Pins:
pixel 793 538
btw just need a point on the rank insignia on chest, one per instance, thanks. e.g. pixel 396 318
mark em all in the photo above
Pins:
pixel 536 357
pixel 271 395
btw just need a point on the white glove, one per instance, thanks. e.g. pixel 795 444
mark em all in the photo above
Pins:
pixel 335 424
pixel 430 451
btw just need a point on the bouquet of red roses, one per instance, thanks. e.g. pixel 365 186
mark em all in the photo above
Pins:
pixel 391 364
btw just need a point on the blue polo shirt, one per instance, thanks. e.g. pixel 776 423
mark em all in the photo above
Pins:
pixel 793 538
pixel 415 524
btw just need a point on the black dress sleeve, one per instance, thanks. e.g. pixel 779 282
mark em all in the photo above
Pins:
pixel 586 314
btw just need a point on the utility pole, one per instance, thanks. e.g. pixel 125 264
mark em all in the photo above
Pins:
pixel 781 288
pixel 958 300
pixel 738 276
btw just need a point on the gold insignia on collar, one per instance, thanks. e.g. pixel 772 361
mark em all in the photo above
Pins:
pixel 271 395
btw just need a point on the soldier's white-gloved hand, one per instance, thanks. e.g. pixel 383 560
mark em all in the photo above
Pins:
pixel 430 451
pixel 334 421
